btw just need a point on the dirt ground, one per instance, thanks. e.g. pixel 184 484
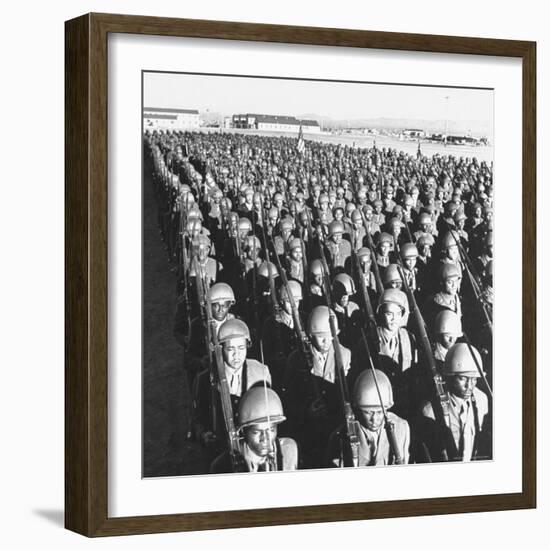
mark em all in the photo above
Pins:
pixel 166 398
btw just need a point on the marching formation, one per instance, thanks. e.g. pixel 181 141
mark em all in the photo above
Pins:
pixel 334 303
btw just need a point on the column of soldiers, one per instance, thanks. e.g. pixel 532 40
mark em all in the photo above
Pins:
pixel 334 304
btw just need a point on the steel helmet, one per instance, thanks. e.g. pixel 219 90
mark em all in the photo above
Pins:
pixel 294 243
pixel 350 208
pixel 295 289
pixel 335 227
pixel 318 321
pixel 273 212
pixel 260 405
pixel 343 284
pixel 394 296
pixel 221 292
pixel 363 252
pixel 409 250
pixel 202 240
pixel 448 322
pixel 449 239
pixel 367 208
pixel 286 224
pixel 233 217
pixel 385 238
pixel 194 225
pixel 316 267
pixel 459 215
pixel 365 393
pixel 425 239
pixel 460 360
pixel 233 328
pixel 448 270
pixel 252 240
pixel 391 274
pixel 245 224
pixel 266 268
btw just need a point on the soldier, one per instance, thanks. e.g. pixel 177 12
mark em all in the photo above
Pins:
pixel 295 262
pixel 337 250
pixel 425 226
pixel 281 240
pixel 205 266
pixel 424 246
pixel 347 311
pixel 448 297
pixel 278 332
pixel 396 346
pixel 371 226
pixel 413 271
pixel 260 413
pixel 371 410
pixel 358 231
pixel 310 391
pixel 365 262
pixel 378 216
pixel 447 328
pixel 391 277
pixel 252 250
pixel 383 249
pixel 469 408
pixel 241 373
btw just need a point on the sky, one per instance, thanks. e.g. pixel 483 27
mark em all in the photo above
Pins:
pixel 229 95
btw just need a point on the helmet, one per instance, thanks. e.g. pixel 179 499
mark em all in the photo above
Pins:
pixel 385 238
pixel 460 360
pixel 394 296
pixel 378 202
pixel 448 270
pixel 221 292
pixel 425 239
pixel 286 223
pixel 295 289
pixel 448 322
pixel 449 239
pixel 335 227
pixel 363 252
pixel 409 250
pixel 316 267
pixel 233 328
pixel 252 240
pixel 266 268
pixel 273 212
pixel 294 243
pixel 367 208
pixel 365 393
pixel 318 321
pixel 343 284
pixel 258 405
pixel 356 216
pixel 245 224
pixel 350 207
pixel 391 274
pixel 194 225
pixel 202 240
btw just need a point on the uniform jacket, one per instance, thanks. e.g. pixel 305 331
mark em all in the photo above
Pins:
pixel 286 457
pixel 382 455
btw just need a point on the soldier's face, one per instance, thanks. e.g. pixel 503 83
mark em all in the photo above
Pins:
pixel 287 307
pixel 203 253
pixel 220 309
pixel 452 252
pixel 296 254
pixel 384 248
pixel 285 233
pixel 344 300
pixel 372 418
pixel 368 215
pixel 425 250
pixel 451 285
pixel 447 340
pixel 317 279
pixel 462 386
pixel 396 283
pixel 234 352
pixel 338 215
pixel 322 341
pixel 391 316
pixel 260 438
pixel 410 263
pixel 337 238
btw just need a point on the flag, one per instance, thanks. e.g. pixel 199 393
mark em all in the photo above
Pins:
pixel 301 143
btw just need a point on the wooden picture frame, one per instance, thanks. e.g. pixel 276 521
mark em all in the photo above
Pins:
pixel 86 357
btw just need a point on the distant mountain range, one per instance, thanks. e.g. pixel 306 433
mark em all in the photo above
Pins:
pixel 475 127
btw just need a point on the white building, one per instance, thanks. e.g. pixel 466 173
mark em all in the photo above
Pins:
pixel 162 118
pixel 275 123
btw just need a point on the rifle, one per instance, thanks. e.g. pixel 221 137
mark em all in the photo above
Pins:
pixel 205 309
pixel 352 426
pixel 371 323
pixel 441 404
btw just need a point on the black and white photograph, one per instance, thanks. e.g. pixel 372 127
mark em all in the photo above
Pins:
pixel 317 274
